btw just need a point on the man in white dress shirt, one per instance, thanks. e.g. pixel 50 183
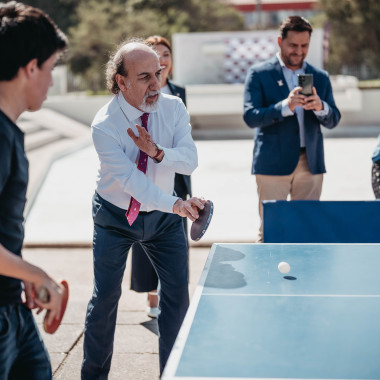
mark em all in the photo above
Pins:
pixel 133 75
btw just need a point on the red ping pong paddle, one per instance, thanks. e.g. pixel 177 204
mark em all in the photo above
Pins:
pixel 200 225
pixel 43 296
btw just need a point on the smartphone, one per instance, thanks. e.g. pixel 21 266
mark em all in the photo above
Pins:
pixel 306 82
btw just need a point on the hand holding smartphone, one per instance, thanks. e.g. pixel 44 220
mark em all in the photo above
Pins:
pixel 306 82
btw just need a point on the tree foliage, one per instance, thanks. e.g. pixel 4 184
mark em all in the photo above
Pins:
pixel 103 25
pixel 63 12
pixel 192 15
pixel 355 34
pixel 96 28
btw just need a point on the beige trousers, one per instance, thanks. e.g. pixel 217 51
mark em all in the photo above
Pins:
pixel 300 185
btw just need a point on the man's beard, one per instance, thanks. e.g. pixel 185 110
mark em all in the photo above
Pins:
pixel 291 61
pixel 150 107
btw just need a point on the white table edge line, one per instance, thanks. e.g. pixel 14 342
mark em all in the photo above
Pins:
pixel 179 344
pixel 241 378
pixel 292 295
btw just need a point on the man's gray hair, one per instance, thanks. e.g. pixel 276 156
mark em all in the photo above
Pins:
pixel 115 65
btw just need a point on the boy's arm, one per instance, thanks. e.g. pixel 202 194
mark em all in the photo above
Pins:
pixel 14 266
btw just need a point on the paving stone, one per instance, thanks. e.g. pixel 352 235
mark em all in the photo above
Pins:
pixel 63 340
pixel 56 358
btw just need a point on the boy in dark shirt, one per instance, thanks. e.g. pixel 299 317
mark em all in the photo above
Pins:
pixel 30 44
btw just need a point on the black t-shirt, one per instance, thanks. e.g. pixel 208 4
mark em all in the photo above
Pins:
pixel 13 184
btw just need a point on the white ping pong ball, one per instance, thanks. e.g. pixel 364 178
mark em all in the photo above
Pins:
pixel 284 267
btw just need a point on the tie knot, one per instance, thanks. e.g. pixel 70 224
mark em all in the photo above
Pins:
pixel 144 119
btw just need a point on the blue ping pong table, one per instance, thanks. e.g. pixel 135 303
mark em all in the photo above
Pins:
pixel 249 321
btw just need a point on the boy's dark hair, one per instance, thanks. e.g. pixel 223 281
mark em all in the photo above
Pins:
pixel 295 24
pixel 26 33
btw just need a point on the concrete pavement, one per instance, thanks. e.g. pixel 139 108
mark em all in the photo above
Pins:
pixel 60 216
pixel 136 343
pixel 62 211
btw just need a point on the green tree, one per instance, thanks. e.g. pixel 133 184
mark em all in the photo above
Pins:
pixel 355 35
pixel 192 15
pixel 63 12
pixel 103 25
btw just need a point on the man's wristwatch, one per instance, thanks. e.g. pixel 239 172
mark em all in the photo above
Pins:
pixel 159 151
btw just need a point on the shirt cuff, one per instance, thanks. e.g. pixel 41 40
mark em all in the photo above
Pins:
pixel 167 202
pixel 323 112
pixel 285 110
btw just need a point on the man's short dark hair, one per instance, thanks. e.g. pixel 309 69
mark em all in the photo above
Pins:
pixel 295 24
pixel 26 33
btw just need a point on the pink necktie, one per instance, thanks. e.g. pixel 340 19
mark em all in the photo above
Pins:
pixel 134 205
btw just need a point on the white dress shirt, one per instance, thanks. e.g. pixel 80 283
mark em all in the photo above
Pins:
pixel 291 78
pixel 166 90
pixel 118 176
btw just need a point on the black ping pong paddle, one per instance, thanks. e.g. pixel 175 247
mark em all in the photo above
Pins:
pixel 200 225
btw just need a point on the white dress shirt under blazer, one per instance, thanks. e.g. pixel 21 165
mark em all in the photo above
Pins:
pixel 118 176
pixel 291 78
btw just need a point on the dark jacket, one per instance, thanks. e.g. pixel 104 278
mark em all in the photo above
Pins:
pixel 182 182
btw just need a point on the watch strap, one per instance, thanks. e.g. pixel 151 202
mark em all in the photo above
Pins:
pixel 159 151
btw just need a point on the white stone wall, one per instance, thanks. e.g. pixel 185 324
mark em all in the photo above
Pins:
pixel 216 57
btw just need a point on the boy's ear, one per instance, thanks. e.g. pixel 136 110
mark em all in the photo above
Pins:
pixel 31 67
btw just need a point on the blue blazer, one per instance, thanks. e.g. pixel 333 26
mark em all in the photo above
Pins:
pixel 277 140
pixel 177 91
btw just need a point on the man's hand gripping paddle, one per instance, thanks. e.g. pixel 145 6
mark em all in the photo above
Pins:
pixel 200 225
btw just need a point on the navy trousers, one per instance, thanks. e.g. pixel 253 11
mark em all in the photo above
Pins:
pixel 163 238
pixel 143 276
pixel 23 355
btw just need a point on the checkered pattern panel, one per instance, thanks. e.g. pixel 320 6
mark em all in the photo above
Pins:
pixel 242 53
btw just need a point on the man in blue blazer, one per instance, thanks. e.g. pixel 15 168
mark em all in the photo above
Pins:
pixel 288 157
